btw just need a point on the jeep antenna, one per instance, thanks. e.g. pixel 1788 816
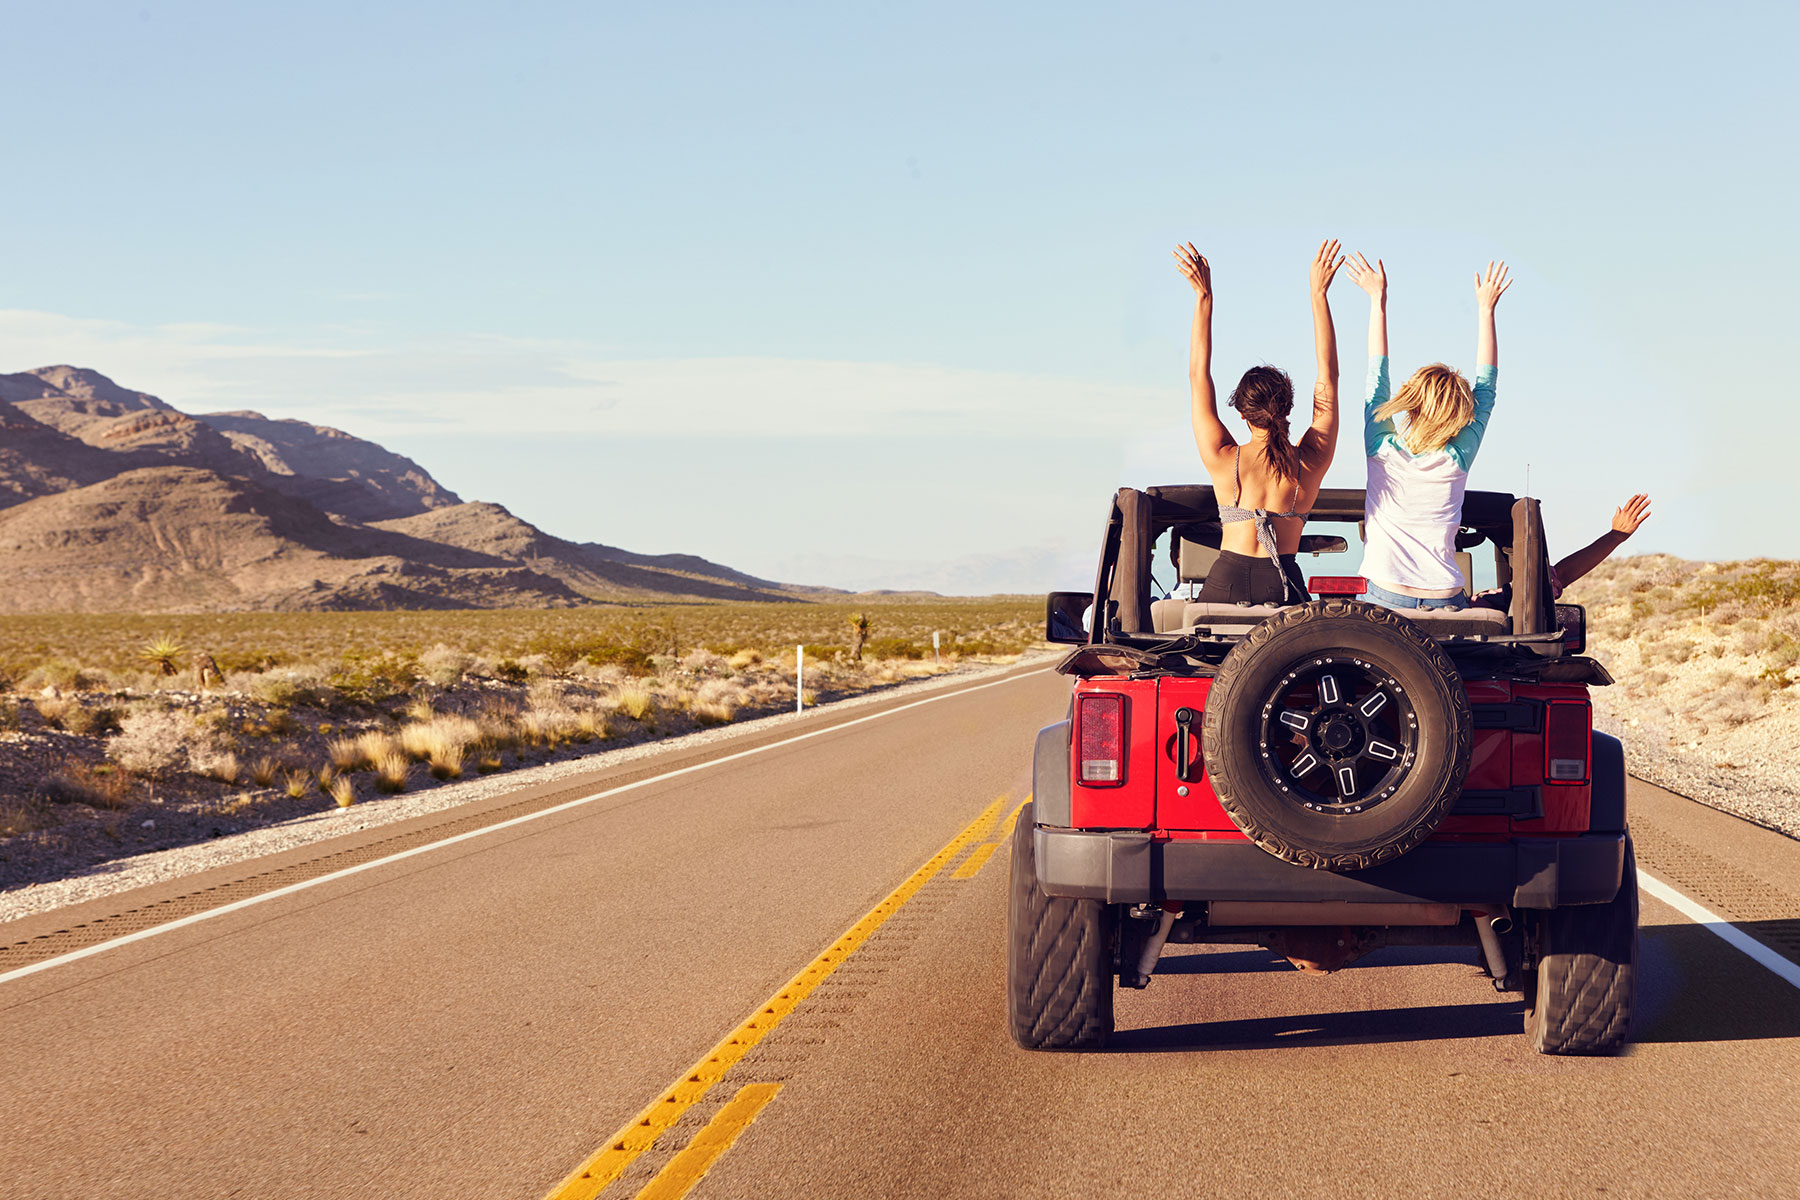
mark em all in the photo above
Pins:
pixel 1528 481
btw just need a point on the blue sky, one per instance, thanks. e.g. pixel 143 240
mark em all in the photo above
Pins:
pixel 881 295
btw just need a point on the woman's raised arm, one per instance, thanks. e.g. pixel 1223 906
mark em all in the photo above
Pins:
pixel 1319 442
pixel 1373 280
pixel 1210 434
pixel 1488 291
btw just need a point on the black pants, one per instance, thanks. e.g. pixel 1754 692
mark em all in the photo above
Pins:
pixel 1240 579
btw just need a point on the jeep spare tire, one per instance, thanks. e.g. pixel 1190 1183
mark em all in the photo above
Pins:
pixel 1337 735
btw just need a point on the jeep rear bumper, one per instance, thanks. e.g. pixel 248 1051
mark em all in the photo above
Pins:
pixel 1134 868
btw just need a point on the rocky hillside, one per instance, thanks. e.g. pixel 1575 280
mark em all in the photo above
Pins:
pixel 1707 658
pixel 113 500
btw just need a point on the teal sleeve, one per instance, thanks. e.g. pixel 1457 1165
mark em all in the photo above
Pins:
pixel 1375 431
pixel 1463 446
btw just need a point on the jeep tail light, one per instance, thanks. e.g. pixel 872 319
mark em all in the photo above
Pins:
pixel 1572 620
pixel 1337 585
pixel 1568 732
pixel 1100 735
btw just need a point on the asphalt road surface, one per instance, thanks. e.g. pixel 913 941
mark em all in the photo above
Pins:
pixel 780 974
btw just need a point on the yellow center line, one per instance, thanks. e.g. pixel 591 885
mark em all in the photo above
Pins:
pixel 683 1171
pixel 620 1150
pixel 979 855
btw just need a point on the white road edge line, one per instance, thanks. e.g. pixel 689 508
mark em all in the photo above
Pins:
pixel 1719 927
pixel 290 889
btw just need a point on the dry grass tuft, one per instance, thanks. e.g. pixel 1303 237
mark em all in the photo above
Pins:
pixel 264 771
pixel 225 768
pixel 298 783
pixel 96 787
pixel 637 704
pixel 342 792
pixel 713 714
pixel 374 746
pixel 23 816
pixel 392 771
pixel 345 753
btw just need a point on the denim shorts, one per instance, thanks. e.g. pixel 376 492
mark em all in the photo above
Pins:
pixel 1376 594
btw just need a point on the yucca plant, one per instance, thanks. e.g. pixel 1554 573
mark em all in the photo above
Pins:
pixel 859 634
pixel 163 653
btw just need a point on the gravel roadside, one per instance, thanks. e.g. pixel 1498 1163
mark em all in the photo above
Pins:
pixel 141 870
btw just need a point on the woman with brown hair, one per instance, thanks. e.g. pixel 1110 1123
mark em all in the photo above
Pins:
pixel 1273 487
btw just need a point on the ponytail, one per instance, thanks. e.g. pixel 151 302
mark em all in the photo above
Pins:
pixel 1282 456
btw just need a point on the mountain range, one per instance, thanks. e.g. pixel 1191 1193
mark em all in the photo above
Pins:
pixel 113 500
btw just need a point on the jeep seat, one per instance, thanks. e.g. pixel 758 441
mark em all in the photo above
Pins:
pixel 1234 618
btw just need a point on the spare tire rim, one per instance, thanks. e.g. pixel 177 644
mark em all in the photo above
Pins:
pixel 1338 734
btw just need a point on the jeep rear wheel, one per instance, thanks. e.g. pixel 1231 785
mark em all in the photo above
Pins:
pixel 1337 735
pixel 1587 976
pixel 1059 975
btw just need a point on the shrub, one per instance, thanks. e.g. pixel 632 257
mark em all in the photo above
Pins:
pixel 154 741
pixel 9 714
pixel 1671 650
pixel 91 721
pixel 287 686
pixel 636 703
pixel 743 660
pixel 893 647
pixel 445 666
pixel 370 678
pixel 63 675
pixel 54 710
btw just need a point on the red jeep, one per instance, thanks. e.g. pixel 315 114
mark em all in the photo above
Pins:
pixel 1322 779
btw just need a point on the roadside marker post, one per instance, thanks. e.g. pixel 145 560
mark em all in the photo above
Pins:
pixel 935 656
pixel 799 678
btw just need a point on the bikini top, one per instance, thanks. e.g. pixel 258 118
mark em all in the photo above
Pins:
pixel 1265 532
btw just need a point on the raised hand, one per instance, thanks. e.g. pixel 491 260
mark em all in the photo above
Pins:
pixel 1372 280
pixel 1492 286
pixel 1325 265
pixel 1196 268
pixel 1629 515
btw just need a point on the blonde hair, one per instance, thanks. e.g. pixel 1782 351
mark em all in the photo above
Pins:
pixel 1438 404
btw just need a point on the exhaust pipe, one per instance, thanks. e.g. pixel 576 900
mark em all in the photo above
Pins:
pixel 1153 947
pixel 1490 923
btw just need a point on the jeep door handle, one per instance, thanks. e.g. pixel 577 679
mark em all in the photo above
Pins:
pixel 1184 722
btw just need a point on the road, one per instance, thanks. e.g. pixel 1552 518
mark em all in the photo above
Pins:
pixel 482 1018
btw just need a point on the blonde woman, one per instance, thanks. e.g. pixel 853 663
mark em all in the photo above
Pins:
pixel 1420 443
